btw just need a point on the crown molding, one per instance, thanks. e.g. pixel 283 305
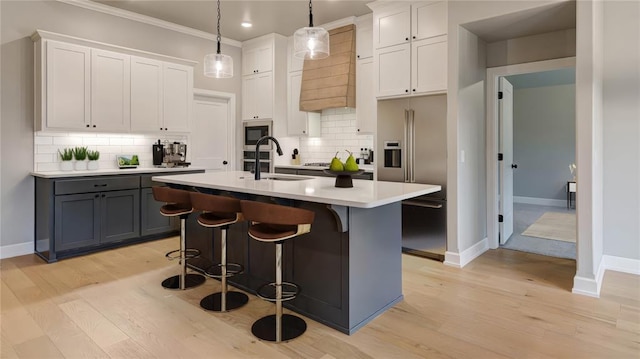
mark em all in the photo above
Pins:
pixel 125 14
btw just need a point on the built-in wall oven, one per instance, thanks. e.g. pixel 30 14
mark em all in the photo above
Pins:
pixel 253 131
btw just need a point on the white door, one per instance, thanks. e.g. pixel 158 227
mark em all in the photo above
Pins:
pixel 110 90
pixel 211 138
pixel 505 123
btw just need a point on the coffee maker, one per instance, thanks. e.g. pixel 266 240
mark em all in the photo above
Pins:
pixel 170 154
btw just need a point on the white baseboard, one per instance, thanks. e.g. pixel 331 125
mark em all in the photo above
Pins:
pixel 540 201
pixel 460 260
pixel 15 250
pixel 591 287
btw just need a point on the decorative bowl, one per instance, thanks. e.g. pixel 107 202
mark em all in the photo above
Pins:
pixel 343 178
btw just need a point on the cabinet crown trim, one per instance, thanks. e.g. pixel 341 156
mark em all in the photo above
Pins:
pixel 47 35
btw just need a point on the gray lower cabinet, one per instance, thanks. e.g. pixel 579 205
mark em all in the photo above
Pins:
pixel 119 216
pixel 152 222
pixel 318 173
pixel 77 221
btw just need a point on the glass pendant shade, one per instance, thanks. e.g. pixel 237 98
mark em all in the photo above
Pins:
pixel 311 43
pixel 218 65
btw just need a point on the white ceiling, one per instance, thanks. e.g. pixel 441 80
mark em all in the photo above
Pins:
pixel 282 17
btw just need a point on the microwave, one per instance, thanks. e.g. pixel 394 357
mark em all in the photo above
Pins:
pixel 253 131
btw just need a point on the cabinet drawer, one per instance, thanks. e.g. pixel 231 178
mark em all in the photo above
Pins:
pixel 102 184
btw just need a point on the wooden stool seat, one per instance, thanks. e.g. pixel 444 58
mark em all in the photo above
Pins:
pixel 220 212
pixel 178 204
pixel 276 224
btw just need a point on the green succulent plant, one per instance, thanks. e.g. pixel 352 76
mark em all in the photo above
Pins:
pixel 66 155
pixel 80 153
pixel 93 155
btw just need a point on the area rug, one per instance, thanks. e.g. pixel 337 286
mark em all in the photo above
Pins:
pixel 554 225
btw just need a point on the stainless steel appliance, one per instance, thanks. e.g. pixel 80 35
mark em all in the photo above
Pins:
pixel 175 154
pixel 253 131
pixel 412 138
pixel 158 154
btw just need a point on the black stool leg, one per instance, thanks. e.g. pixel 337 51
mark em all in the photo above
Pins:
pixel 183 280
pixel 279 327
pixel 224 300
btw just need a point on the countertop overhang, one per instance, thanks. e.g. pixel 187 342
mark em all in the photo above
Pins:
pixel 363 194
pixel 112 171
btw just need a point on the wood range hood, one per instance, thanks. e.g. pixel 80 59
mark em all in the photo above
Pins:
pixel 331 82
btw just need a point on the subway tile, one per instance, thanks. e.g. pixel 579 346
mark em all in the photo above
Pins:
pixel 94 141
pixel 47 167
pixel 123 141
pixel 43 140
pixel 68 141
pixel 45 158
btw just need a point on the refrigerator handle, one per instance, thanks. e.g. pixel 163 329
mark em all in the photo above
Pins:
pixel 407 158
pixel 413 145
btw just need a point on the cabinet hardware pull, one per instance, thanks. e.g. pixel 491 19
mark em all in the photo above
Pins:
pixel 414 37
pixel 100 185
pixel 94 126
pixel 406 39
pixel 406 90
pixel 96 196
pixel 87 125
pixel 414 90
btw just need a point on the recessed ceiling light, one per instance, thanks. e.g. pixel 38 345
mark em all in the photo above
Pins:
pixel 246 24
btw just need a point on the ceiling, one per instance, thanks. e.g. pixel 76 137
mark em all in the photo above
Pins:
pixel 282 17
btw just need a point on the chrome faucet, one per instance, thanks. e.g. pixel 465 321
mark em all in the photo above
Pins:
pixel 256 168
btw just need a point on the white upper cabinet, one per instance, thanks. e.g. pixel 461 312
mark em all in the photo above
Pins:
pixel 146 94
pixel 300 123
pixel 257 56
pixel 92 86
pixel 410 41
pixel 264 79
pixel 366 104
pixel 294 63
pixel 392 26
pixel 177 97
pixel 110 91
pixel 364 37
pixel 65 86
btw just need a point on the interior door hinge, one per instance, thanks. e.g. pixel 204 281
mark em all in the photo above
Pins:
pixel 500 95
pixel 500 156
pixel 500 218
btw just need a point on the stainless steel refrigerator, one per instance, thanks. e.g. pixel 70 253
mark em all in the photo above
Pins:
pixel 412 143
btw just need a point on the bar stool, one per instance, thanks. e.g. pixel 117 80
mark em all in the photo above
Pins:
pixel 276 224
pixel 219 211
pixel 178 204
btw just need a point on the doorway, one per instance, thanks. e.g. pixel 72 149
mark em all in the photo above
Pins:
pixel 539 162
pixel 498 168
pixel 212 140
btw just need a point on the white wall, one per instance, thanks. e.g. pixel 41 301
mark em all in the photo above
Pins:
pixel 621 115
pixel 547 46
pixel 19 20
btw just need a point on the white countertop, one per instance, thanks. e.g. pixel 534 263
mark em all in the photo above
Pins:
pixel 112 171
pixel 363 194
pixel 366 168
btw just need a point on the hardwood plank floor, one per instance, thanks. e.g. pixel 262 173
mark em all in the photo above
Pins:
pixel 505 304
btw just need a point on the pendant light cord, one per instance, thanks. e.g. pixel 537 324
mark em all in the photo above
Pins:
pixel 218 30
pixel 310 15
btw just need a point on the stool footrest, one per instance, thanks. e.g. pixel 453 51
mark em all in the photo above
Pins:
pixel 215 271
pixel 268 291
pixel 189 253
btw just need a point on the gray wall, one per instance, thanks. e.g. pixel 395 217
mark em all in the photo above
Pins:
pixel 547 46
pixel 19 20
pixel 544 140
pixel 621 112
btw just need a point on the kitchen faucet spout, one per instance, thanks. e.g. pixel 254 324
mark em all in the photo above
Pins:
pixel 256 168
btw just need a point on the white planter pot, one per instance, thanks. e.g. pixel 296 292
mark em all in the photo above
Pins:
pixel 66 166
pixel 93 165
pixel 81 165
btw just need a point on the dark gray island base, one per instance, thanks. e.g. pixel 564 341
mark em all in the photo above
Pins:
pixel 348 268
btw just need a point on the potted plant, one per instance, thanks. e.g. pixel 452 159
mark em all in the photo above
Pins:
pixel 80 154
pixel 93 157
pixel 66 156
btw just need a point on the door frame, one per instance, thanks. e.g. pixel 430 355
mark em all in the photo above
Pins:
pixel 493 74
pixel 231 120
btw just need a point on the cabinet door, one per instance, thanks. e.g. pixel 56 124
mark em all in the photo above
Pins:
pixel 392 27
pixel 295 63
pixel 429 65
pixel 366 105
pixel 120 215
pixel 263 96
pixel 364 37
pixel 146 94
pixel 68 86
pixel 77 221
pixel 177 97
pixel 394 66
pixel 300 123
pixel 151 221
pixel 110 91
pixel 428 20
pixel 248 95
pixel 257 59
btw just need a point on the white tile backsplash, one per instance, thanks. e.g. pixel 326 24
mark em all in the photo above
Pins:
pixel 339 133
pixel 47 144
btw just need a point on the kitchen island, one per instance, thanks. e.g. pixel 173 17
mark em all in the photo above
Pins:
pixel 348 267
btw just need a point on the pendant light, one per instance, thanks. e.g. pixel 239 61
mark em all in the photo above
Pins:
pixel 218 65
pixel 311 43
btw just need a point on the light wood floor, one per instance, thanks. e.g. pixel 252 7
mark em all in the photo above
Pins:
pixel 506 304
